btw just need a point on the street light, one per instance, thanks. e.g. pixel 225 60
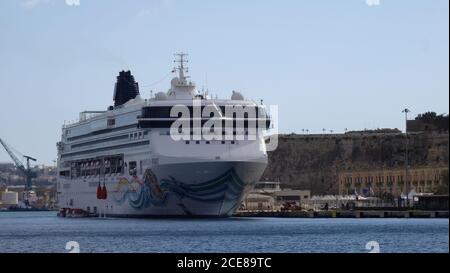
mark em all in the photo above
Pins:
pixel 406 111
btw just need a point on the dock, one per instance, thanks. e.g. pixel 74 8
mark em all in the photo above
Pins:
pixel 346 214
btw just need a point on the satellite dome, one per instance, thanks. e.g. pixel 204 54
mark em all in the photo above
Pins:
pixel 161 96
pixel 237 96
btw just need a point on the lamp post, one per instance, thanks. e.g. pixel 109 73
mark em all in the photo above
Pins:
pixel 406 111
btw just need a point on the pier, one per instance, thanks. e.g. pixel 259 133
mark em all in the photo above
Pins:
pixel 346 214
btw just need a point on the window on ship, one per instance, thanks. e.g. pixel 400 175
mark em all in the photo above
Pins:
pixel 132 168
pixel 163 112
pixel 95 167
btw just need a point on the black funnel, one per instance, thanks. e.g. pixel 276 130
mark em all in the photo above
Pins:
pixel 126 88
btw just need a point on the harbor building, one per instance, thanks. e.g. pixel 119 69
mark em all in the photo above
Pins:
pixel 269 196
pixel 292 197
pixel 9 198
pixel 391 181
pixel 259 202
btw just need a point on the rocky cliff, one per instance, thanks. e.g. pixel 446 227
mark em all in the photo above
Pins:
pixel 313 161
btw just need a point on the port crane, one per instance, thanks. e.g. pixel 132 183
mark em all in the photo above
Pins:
pixel 25 170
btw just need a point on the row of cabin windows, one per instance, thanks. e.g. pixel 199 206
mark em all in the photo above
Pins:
pixel 88 208
pixel 164 111
pixel 138 135
pixel 209 142
pixel 97 166
pixel 224 124
pixel 112 165
pixel 236 131
pixel 193 132
pixel 132 136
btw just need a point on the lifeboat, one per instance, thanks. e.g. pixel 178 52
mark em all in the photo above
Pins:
pixel 104 192
pixel 99 191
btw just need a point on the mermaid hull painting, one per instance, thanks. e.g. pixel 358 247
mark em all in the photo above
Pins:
pixel 194 189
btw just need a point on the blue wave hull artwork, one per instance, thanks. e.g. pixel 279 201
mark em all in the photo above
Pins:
pixel 225 190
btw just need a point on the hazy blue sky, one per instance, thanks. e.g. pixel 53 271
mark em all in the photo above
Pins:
pixel 327 64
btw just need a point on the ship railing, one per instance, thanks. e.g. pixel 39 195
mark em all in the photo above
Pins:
pixel 90 114
pixel 83 116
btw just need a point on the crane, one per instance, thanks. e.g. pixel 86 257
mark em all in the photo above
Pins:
pixel 25 170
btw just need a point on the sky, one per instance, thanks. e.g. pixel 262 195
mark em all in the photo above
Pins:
pixel 327 64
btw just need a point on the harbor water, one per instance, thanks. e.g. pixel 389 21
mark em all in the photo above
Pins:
pixel 44 232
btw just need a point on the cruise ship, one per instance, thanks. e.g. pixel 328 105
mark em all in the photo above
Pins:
pixel 133 161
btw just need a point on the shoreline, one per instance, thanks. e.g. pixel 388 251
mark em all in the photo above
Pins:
pixel 435 214
pixel 348 214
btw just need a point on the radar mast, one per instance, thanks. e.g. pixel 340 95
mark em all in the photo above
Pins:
pixel 182 68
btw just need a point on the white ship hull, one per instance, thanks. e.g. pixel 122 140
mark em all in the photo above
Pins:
pixel 188 189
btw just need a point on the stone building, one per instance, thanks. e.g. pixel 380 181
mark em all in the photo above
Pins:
pixel 428 122
pixel 391 181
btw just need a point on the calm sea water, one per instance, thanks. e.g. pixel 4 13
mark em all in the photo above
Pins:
pixel 44 232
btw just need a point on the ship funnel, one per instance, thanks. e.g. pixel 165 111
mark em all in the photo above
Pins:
pixel 126 88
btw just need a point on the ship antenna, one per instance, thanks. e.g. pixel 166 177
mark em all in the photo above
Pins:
pixel 182 59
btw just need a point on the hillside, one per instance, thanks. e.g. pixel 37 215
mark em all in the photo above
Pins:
pixel 313 161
